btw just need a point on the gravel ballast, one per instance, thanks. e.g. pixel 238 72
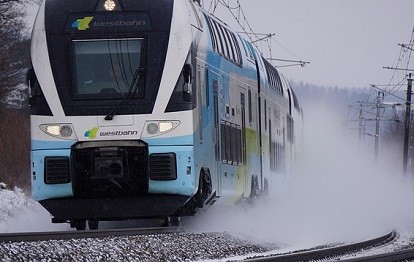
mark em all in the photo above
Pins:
pixel 157 247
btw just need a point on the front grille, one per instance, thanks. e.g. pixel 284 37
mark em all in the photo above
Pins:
pixel 57 170
pixel 109 169
pixel 163 166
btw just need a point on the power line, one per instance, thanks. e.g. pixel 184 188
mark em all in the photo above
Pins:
pixel 239 15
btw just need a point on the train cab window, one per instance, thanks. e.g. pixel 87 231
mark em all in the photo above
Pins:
pixel 107 69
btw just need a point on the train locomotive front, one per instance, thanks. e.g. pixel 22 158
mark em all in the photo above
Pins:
pixel 112 138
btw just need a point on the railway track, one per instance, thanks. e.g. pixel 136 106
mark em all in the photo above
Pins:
pixel 325 254
pixel 334 253
pixel 61 235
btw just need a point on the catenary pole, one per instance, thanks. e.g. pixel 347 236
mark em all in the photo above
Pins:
pixel 377 125
pixel 407 123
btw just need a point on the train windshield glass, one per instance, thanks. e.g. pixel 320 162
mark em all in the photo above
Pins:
pixel 107 69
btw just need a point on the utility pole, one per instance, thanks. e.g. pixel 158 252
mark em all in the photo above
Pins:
pixel 407 123
pixel 360 124
pixel 377 125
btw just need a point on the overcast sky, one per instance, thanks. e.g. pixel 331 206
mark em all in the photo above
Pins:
pixel 348 42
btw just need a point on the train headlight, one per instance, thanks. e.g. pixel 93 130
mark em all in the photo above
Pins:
pixel 152 128
pixel 64 131
pixel 155 128
pixel 109 5
pixel 165 126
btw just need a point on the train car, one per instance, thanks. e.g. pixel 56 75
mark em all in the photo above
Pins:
pixel 150 109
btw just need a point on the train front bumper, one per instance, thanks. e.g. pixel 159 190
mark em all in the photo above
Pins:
pixel 149 206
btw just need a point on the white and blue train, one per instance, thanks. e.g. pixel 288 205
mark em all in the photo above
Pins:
pixel 150 109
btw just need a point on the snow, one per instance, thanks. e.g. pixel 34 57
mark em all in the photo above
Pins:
pixel 337 194
pixel 19 213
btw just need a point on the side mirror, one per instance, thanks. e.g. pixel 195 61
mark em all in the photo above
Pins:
pixel 188 73
pixel 188 78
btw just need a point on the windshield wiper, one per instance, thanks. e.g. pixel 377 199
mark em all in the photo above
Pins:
pixel 135 84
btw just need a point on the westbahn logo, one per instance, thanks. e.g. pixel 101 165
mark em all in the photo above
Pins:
pixel 91 133
pixel 82 24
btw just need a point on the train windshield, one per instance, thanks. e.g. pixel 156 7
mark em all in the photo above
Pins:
pixel 107 69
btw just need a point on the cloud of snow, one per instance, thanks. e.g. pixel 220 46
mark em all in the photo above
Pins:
pixel 338 193
pixel 18 213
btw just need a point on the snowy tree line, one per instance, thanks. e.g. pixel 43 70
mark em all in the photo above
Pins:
pixel 343 102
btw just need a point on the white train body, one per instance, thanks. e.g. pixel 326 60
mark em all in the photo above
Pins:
pixel 150 110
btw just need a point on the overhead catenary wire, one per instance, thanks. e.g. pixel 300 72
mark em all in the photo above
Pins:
pixel 398 80
pixel 235 9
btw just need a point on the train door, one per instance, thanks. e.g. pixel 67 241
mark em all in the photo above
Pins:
pixel 214 80
pixel 243 138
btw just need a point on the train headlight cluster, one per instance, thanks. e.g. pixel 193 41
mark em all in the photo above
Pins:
pixel 64 131
pixel 155 128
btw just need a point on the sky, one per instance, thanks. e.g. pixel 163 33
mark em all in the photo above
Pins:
pixel 347 42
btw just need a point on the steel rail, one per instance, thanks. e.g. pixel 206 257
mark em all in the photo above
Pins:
pixel 327 252
pixel 400 255
pixel 60 235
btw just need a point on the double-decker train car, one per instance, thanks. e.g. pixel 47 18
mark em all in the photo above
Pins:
pixel 150 109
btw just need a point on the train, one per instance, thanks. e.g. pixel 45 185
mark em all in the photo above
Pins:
pixel 151 109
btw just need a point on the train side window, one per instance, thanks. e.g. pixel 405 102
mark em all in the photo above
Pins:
pixel 290 129
pixel 271 149
pixel 244 46
pixel 243 127
pixel 223 142
pixel 228 144
pixel 233 144
pixel 265 114
pixel 230 44
pixel 216 120
pixel 213 34
pixel 238 138
pixel 249 103
pixel 238 56
pixel 224 41
pixel 218 37
pixel 250 48
pixel 207 85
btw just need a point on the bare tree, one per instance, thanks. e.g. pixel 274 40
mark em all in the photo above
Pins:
pixel 14 124
pixel 14 48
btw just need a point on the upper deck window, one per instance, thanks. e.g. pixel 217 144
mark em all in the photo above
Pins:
pixel 273 77
pixel 107 69
pixel 247 49
pixel 224 41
